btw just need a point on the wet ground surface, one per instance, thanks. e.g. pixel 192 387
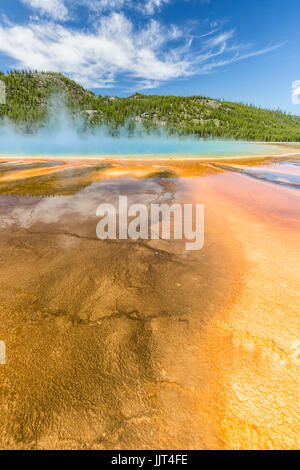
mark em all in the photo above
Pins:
pixel 286 172
pixel 141 344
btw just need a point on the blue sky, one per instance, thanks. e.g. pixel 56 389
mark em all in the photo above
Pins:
pixel 239 50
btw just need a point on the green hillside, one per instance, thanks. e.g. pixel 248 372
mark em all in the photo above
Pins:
pixel 29 95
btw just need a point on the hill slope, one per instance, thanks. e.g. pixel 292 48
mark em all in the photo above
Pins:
pixel 28 97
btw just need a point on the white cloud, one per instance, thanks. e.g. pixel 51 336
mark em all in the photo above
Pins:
pixel 60 9
pixel 94 58
pixel 221 38
pixel 114 50
pixel 151 5
pixel 211 65
pixel 148 7
pixel 144 85
pixel 296 92
pixel 53 8
pixel 103 5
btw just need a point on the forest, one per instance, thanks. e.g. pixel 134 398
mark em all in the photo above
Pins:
pixel 31 94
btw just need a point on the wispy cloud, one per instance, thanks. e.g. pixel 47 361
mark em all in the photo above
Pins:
pixel 60 9
pixel 221 38
pixel 152 5
pixel 144 85
pixel 235 57
pixel 95 58
pixel 148 7
pixel 296 92
pixel 115 49
pixel 53 8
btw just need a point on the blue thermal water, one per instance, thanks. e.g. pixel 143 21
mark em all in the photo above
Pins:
pixel 128 146
pixel 66 140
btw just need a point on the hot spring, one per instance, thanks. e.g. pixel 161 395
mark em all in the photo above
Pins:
pixel 66 138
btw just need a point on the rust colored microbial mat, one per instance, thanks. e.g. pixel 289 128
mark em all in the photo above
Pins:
pixel 122 344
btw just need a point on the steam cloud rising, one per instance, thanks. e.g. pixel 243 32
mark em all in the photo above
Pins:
pixel 64 135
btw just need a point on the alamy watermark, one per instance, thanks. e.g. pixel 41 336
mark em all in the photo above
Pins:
pixel 159 221
pixel 2 93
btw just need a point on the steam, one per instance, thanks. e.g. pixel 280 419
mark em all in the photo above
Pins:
pixel 64 134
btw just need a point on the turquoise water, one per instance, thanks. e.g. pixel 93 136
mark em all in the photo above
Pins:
pixel 134 147
pixel 66 140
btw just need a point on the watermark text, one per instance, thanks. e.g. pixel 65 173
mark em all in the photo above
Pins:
pixel 159 221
